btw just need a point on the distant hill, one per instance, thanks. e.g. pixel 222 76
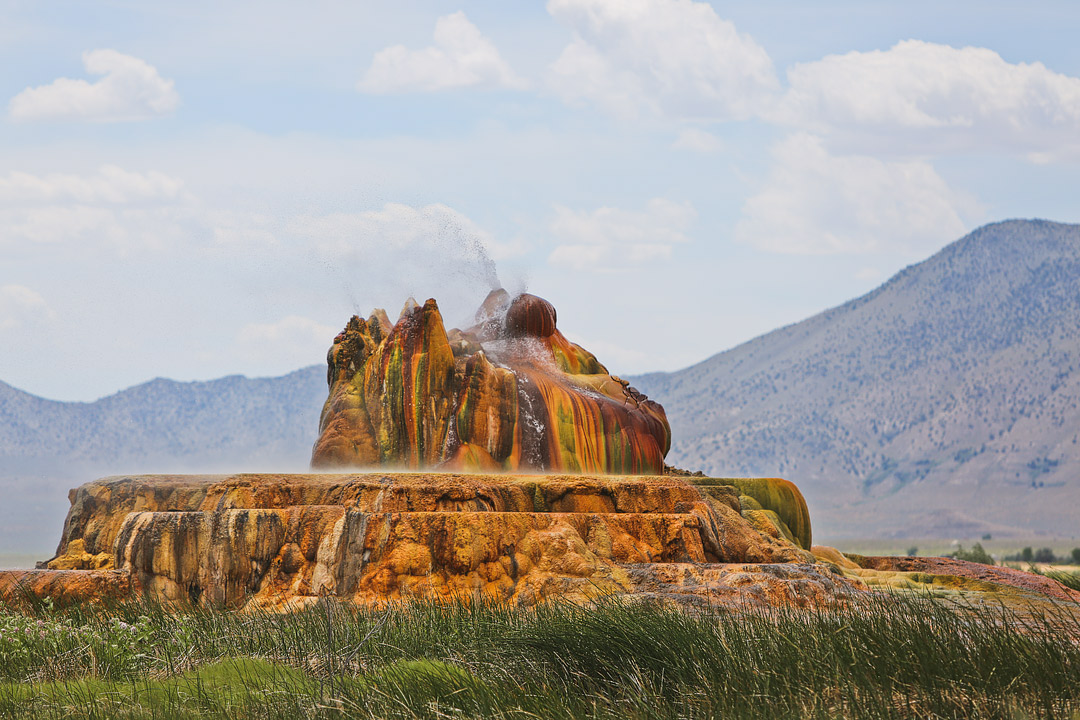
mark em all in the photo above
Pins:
pixel 233 423
pixel 946 402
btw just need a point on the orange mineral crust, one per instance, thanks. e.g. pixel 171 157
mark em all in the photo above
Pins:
pixel 510 393
pixel 281 541
pixel 278 541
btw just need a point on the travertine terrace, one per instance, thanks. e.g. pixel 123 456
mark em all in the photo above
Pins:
pixel 502 462
pixel 282 540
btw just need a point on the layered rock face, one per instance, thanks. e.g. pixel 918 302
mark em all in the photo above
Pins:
pixel 510 393
pixel 279 541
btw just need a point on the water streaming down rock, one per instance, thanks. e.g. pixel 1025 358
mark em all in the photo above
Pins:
pixel 510 393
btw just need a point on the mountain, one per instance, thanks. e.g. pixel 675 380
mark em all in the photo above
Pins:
pixel 229 424
pixel 944 403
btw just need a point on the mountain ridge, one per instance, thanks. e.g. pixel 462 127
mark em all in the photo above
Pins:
pixel 863 405
pixel 134 422
pixel 227 424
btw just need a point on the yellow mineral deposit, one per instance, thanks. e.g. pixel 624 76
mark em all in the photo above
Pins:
pixel 282 540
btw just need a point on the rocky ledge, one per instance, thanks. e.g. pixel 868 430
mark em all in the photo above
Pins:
pixel 278 541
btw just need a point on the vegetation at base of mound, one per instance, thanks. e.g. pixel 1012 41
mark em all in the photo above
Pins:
pixel 1070 579
pixel 887 657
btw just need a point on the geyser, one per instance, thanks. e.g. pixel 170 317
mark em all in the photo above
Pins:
pixel 510 393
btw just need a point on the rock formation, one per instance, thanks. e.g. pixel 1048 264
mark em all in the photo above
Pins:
pixel 509 394
pixel 281 540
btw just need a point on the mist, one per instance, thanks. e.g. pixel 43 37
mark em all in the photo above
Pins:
pixel 382 258
pixel 233 424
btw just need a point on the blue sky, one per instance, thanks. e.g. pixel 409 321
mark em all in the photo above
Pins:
pixel 196 189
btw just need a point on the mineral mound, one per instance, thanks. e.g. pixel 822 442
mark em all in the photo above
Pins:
pixel 581 506
pixel 281 541
pixel 510 393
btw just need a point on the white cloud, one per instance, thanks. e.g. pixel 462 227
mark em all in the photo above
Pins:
pixel 461 57
pixel 609 238
pixel 115 213
pixel 924 96
pixel 814 203
pixel 673 58
pixel 697 140
pixel 131 89
pixel 20 306
pixel 111 185
pixel 112 209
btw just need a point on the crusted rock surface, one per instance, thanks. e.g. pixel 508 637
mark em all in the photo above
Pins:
pixel 280 541
pixel 961 573
pixel 64 585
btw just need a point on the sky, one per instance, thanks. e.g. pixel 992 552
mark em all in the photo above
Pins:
pixel 198 189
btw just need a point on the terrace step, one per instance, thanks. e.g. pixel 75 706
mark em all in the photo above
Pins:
pixel 323 549
pixel 276 540
pixel 64 585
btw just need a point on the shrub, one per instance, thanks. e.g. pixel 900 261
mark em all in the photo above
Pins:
pixel 1076 556
pixel 976 554
pixel 1045 555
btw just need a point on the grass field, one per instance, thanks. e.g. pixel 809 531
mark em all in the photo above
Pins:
pixel 891 657
pixel 935 546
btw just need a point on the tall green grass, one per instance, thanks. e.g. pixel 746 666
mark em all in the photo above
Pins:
pixel 1070 579
pixel 888 657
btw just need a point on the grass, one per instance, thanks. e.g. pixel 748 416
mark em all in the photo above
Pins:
pixel 1068 578
pixel 889 657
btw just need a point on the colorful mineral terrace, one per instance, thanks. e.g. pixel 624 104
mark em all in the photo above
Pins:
pixel 279 541
pixel 509 394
